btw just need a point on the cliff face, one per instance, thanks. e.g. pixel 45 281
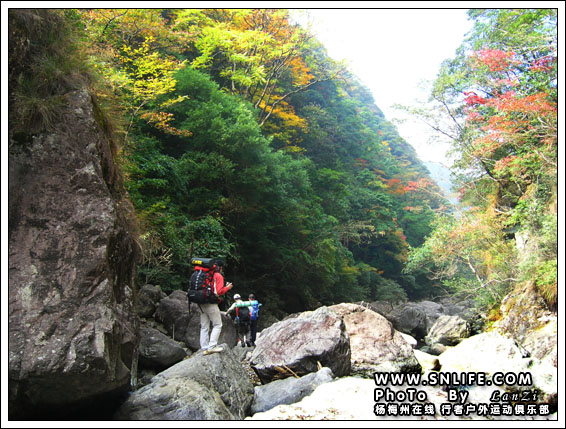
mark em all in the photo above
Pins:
pixel 72 328
pixel 527 316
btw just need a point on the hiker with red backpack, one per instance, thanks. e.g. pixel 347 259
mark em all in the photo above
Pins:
pixel 205 289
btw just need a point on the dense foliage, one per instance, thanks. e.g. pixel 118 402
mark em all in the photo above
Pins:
pixel 500 92
pixel 241 138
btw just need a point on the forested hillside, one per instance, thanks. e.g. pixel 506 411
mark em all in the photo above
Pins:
pixel 500 96
pixel 240 137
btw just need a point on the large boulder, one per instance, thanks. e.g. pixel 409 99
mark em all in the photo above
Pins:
pixel 288 390
pixel 467 310
pixel 347 398
pixel 301 344
pixel 541 343
pixel 72 331
pixel 173 313
pixel 545 378
pixel 432 309
pixel 211 387
pixel 375 345
pixel 492 353
pixel 498 354
pixel 147 299
pixel 158 351
pixel 416 318
pixel 448 331
pixel 353 398
pixel 175 399
pixel 410 319
pixel 527 319
pixel 381 307
pixel 183 323
pixel 451 306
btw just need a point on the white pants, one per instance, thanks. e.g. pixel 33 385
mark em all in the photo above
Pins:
pixel 210 313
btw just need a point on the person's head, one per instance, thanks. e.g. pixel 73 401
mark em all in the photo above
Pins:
pixel 237 297
pixel 219 265
pixel 251 297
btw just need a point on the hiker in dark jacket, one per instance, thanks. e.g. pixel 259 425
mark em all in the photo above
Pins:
pixel 241 316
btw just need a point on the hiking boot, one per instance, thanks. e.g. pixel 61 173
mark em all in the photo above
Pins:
pixel 215 349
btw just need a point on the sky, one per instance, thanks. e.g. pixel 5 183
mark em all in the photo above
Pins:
pixel 394 52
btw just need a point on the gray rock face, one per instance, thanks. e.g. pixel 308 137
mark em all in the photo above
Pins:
pixel 448 331
pixel 375 345
pixel 72 328
pixel 173 312
pixel 527 319
pixel 147 299
pixel 219 372
pixel 184 325
pixel 409 319
pixel 176 399
pixel 432 309
pixel 289 390
pixel 157 350
pixel 381 307
pixel 298 344
pixel 212 387
pixel 415 318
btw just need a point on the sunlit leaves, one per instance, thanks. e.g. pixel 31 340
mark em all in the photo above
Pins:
pixel 149 74
pixel 116 27
pixel 471 247
pixel 500 92
pixel 162 121
pixel 257 54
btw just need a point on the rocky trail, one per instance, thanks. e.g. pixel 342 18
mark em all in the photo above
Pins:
pixel 322 365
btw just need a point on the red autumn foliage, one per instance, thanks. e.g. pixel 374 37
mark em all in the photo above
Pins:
pixel 473 99
pixel 422 183
pixel 543 64
pixel 495 59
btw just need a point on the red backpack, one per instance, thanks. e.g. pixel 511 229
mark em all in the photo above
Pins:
pixel 202 286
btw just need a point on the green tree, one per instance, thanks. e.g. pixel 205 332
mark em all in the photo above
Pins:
pixel 253 52
pixel 500 95
pixel 242 144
